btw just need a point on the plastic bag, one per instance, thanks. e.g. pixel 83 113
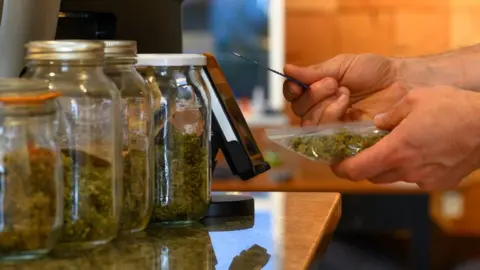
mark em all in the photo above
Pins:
pixel 328 143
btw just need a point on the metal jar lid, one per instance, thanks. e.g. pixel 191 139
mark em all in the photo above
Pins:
pixel 65 50
pixel 120 48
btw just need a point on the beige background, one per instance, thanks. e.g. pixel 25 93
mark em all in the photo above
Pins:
pixel 319 29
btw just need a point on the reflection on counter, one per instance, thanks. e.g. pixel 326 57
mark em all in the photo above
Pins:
pixel 227 243
pixel 163 247
pixel 287 232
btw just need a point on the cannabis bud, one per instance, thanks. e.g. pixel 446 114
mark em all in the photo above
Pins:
pixel 334 147
pixel 29 205
pixel 182 176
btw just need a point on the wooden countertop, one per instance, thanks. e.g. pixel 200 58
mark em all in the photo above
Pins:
pixel 312 184
pixel 310 178
pixel 310 219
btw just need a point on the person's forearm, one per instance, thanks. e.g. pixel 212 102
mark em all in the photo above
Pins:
pixel 459 68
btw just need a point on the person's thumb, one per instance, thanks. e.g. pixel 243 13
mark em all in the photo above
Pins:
pixel 334 68
pixel 306 75
pixel 392 118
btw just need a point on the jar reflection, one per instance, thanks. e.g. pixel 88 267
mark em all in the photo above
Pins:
pixel 122 254
pixel 182 248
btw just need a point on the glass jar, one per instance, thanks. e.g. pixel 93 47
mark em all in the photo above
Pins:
pixel 137 143
pixel 182 145
pixel 87 135
pixel 159 102
pixel 31 206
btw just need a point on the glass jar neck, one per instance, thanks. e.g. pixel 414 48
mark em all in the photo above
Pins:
pixel 173 70
pixel 84 63
pixel 41 68
pixel 119 63
pixel 45 110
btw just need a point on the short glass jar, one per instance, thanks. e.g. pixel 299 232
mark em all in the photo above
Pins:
pixel 137 143
pixel 182 145
pixel 31 206
pixel 87 135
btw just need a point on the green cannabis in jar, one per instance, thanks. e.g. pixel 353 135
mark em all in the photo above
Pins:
pixel 334 147
pixel 136 209
pixel 182 177
pixel 88 199
pixel 29 202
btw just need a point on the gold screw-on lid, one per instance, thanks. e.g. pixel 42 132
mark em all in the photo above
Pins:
pixel 120 48
pixel 65 50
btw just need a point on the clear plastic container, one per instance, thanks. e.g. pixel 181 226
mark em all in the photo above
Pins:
pixel 87 134
pixel 328 143
pixel 182 144
pixel 31 206
pixel 137 143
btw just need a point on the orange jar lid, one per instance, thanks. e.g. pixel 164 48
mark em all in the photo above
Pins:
pixel 25 91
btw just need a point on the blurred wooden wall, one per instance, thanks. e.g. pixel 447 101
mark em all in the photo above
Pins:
pixel 319 29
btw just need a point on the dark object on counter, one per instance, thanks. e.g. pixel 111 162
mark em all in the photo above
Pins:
pixel 230 131
pixel 86 25
pixel 272 70
pixel 228 205
pixel 231 135
pixel 160 20
pixel 228 224
pixel 256 257
pixel 222 173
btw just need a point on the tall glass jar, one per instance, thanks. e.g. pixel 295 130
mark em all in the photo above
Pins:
pixel 182 145
pixel 159 102
pixel 137 143
pixel 87 135
pixel 31 206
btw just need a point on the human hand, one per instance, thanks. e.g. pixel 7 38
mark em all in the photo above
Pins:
pixel 346 87
pixel 434 142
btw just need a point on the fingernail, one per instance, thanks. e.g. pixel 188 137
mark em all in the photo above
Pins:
pixel 330 83
pixel 328 86
pixel 289 66
pixel 306 123
pixel 343 98
pixel 344 91
pixel 379 117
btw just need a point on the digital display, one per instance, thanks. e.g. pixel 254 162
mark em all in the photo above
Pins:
pixel 239 147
